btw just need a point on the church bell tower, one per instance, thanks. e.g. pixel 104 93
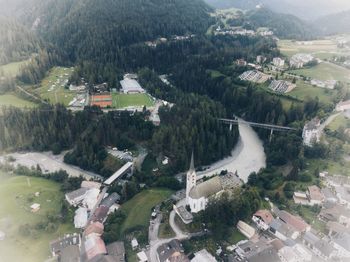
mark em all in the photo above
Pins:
pixel 191 180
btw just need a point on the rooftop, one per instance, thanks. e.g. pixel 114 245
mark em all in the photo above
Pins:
pixel 77 193
pixel 207 188
pixel 297 222
pixel 172 251
pixel 117 251
pixel 203 256
pixel 264 215
pixel 315 193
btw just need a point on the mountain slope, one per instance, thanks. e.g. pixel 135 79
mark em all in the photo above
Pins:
pixel 87 28
pixel 16 41
pixel 334 24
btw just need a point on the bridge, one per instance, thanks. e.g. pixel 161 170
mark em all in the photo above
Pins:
pixel 271 127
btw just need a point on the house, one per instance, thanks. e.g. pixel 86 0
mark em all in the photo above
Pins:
pixel 111 200
pixel 131 86
pixel 315 195
pixel 134 244
pixel 336 228
pixel 283 231
pixel 260 59
pixel 300 198
pixel 70 254
pixel 81 217
pixel 100 214
pixel 95 228
pixel 94 247
pixel 260 251
pixel 341 242
pixel 287 254
pixel 117 251
pixel 294 221
pixel 263 219
pixel 329 196
pixel 241 62
pixel 278 62
pixel 75 197
pixel 142 257
pixel 336 214
pixel 246 229
pixel 343 106
pixel 318 246
pixel 58 245
pixel 35 207
pixel 203 256
pixel 171 252
pixel 311 132
pixel 302 252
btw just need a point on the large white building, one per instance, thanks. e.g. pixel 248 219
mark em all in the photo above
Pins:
pixel 311 132
pixel 197 196
pixel 278 62
pixel 131 86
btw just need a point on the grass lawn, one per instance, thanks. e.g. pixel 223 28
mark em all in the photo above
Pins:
pixel 13 100
pixel 12 69
pixel 235 236
pixel 139 208
pixel 304 90
pixel 137 100
pixel 322 49
pixel 17 194
pixel 325 71
pixel 339 121
pixel 52 87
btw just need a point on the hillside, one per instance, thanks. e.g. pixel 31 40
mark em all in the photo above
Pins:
pixel 16 42
pixel 334 24
pixel 89 28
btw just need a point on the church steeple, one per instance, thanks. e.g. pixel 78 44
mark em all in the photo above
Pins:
pixel 191 180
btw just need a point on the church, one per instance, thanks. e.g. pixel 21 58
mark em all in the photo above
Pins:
pixel 197 196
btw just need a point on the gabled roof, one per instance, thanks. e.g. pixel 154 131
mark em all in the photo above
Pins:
pixel 77 193
pixel 315 193
pixel 207 188
pixel 94 228
pixel 297 222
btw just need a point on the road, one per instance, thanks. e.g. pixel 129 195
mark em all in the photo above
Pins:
pixel 48 163
pixel 31 95
pixel 156 242
pixel 247 157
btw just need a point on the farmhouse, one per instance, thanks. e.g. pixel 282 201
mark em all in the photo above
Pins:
pixel 311 133
pixel 131 86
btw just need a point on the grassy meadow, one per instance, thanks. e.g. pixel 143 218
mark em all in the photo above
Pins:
pixel 17 195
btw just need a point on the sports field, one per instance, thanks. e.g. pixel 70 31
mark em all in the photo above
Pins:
pixel 304 90
pixel 139 208
pixel 132 100
pixel 24 241
pixel 325 71
pixel 52 87
pixel 13 100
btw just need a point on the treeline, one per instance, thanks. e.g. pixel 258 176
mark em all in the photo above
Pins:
pixel 223 213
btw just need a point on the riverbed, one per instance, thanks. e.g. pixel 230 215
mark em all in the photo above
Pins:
pixel 247 157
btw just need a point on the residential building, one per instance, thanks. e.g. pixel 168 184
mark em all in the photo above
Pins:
pixel 260 59
pixel 278 62
pixel 260 251
pixel 337 213
pixel 311 132
pixel 287 254
pixel 300 60
pixel 171 252
pixel 300 198
pixel 283 231
pixel 241 62
pixel 315 195
pixel 319 246
pixel 77 196
pixel 263 219
pixel 294 221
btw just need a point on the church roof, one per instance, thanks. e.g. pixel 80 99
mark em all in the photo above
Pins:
pixel 207 188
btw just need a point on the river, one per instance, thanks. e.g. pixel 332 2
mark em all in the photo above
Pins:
pixel 247 157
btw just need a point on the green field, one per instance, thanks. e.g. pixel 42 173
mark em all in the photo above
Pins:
pixel 17 194
pixel 52 87
pixel 325 71
pixel 132 100
pixel 13 100
pixel 12 69
pixel 139 208
pixel 323 49
pixel 304 90
pixel 339 121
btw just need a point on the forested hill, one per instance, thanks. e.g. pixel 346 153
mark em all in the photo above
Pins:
pixel 283 25
pixel 334 24
pixel 16 42
pixel 90 28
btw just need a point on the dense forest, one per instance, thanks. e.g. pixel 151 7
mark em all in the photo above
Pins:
pixel 16 42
